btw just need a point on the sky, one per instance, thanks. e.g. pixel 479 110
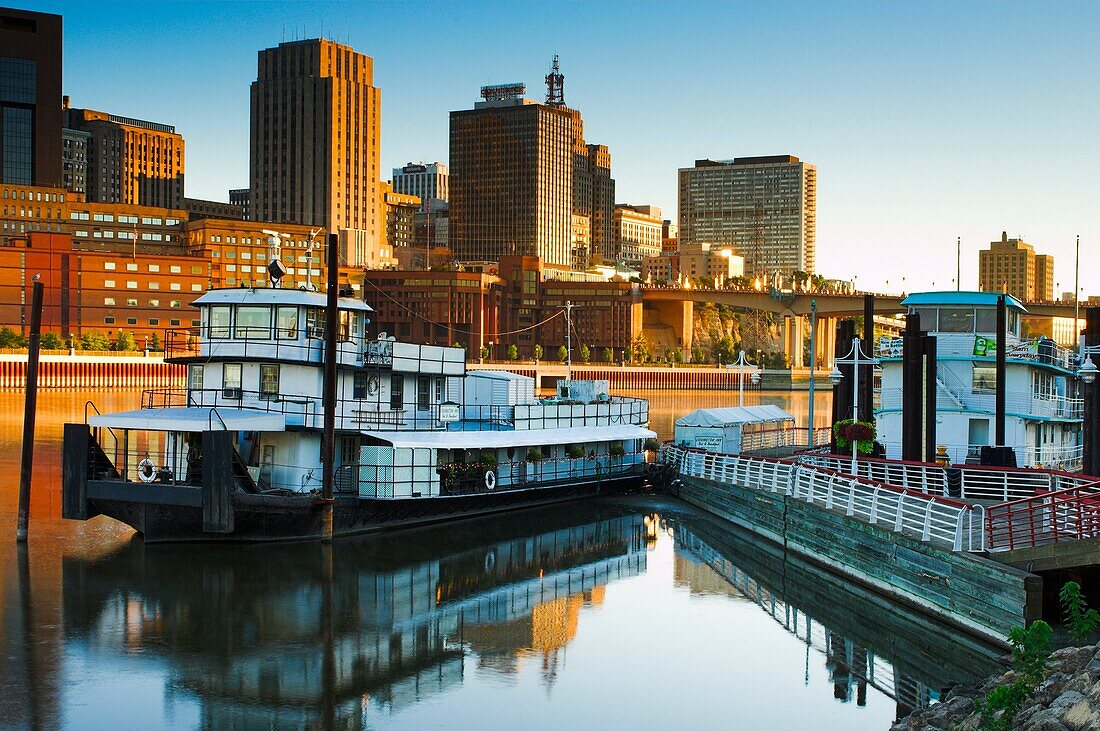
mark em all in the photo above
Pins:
pixel 927 121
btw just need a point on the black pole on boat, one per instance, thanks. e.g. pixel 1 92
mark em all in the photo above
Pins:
pixel 931 394
pixel 329 395
pixel 30 402
pixel 1090 457
pixel 911 389
pixel 1002 346
pixel 867 377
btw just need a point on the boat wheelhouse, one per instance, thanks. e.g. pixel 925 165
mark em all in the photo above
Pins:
pixel 1043 412
pixel 417 437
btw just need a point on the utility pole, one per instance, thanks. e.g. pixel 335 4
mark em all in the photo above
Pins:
pixel 1077 291
pixel 958 263
pixel 568 340
pixel 29 411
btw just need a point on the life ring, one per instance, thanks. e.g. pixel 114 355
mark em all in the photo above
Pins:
pixel 490 480
pixel 147 471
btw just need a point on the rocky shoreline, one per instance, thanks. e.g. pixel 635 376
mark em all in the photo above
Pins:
pixel 1067 699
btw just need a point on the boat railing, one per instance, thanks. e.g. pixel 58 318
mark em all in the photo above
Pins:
pixel 798 437
pixel 190 344
pixel 1018 402
pixel 953 524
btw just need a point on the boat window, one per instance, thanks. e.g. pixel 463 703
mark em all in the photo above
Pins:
pixel 397 391
pixel 344 329
pixel 231 380
pixel 986 320
pixel 927 318
pixel 253 323
pixel 359 385
pixel 194 377
pixel 286 323
pixel 219 322
pixel 985 378
pixel 269 382
pixel 955 320
pixel 315 323
pixel 423 392
pixel 439 385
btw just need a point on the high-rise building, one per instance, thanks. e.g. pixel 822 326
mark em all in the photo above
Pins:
pixel 74 159
pixel 427 181
pixel 1012 266
pixel 400 210
pixel 315 125
pixel 765 208
pixel 637 232
pixel 242 197
pixel 30 98
pixel 511 178
pixel 131 161
pixel 520 171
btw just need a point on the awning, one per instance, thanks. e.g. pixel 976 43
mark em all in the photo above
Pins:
pixel 510 438
pixel 734 416
pixel 192 419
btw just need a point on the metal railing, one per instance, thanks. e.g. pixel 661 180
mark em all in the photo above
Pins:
pixel 975 482
pixel 949 523
pixel 1042 351
pixel 184 344
pixel 797 437
pixel 1019 402
pixel 1062 515
pixel 1044 456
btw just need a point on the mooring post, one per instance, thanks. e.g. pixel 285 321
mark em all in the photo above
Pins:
pixel 1090 393
pixel 329 394
pixel 1001 390
pixel 29 408
pixel 867 380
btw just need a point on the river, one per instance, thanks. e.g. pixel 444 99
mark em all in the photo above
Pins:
pixel 610 613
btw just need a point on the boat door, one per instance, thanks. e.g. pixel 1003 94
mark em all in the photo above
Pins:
pixel 347 479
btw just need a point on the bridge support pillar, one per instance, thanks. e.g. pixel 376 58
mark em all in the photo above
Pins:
pixel 792 340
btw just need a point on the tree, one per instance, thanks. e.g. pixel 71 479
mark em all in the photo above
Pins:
pixel 608 355
pixel 124 341
pixel 697 355
pixel 675 355
pixel 724 349
pixel 538 353
pixel 94 340
pixel 586 354
pixel 51 341
pixel 513 352
pixel 154 342
pixel 639 349
pixel 563 353
pixel 485 352
pixel 11 339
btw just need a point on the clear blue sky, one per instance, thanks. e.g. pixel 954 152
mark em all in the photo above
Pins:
pixel 926 120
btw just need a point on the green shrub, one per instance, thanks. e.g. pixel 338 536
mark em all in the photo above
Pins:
pixel 51 341
pixel 1081 620
pixel 651 445
pixel 586 353
pixel 575 451
pixel 616 450
pixel 1030 654
pixel 608 355
pixel 513 352
pixel 538 352
pixel 563 353
pixel 488 459
pixel 534 454
pixel 11 339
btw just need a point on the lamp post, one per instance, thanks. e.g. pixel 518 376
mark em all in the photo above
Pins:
pixel 741 378
pixel 856 359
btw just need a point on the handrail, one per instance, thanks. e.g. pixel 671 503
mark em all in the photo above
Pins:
pixel 210 419
pixel 951 523
pixel 1072 513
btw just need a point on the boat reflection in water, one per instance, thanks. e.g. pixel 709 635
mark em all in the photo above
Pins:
pixel 863 638
pixel 331 636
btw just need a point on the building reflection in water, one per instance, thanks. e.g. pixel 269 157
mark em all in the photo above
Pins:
pixel 863 639
pixel 327 636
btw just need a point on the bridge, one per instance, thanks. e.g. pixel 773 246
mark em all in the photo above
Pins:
pixel 673 309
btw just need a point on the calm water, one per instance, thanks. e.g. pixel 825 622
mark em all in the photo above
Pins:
pixel 605 614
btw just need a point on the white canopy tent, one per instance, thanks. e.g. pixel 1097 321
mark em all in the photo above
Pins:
pixel 720 429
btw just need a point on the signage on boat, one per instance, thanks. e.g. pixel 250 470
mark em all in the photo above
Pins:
pixel 889 347
pixel 984 346
pixel 710 443
pixel 449 411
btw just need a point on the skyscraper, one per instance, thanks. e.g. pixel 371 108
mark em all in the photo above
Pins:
pixel 30 98
pixel 521 172
pixel 765 208
pixel 315 122
pixel 1012 266
pixel 511 178
pixel 427 181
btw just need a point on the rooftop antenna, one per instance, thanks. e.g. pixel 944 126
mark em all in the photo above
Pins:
pixel 555 86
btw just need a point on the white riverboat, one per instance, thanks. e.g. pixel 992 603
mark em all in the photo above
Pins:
pixel 1043 413
pixel 237 454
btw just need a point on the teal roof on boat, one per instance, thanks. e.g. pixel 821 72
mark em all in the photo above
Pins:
pixel 973 299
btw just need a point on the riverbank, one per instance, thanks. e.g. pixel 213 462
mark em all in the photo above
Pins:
pixel 1068 699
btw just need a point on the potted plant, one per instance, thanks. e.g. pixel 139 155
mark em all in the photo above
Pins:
pixel 862 433
pixel 616 451
pixel 651 447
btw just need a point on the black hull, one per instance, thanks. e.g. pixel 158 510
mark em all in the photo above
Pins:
pixel 259 518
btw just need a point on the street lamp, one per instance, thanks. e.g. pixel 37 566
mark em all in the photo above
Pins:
pixel 857 359
pixel 755 377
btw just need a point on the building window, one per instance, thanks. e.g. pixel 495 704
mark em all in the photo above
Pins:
pixel 269 382
pixel 109 301
pixel 175 304
pixel 131 284
pixel 108 320
pixel 131 320
pixel 154 321
pixel 131 266
pixel 174 323
pixel 231 380
pixel 109 266
pixel 131 302
pixel 109 283
pixel 219 322
pixel 359 385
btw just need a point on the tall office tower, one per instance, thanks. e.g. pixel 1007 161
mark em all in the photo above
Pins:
pixel 765 208
pixel 30 98
pixel 1012 266
pixel 74 159
pixel 511 178
pixel 130 161
pixel 242 197
pixel 427 181
pixel 316 119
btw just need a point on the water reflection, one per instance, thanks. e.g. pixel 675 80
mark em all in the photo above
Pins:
pixel 327 636
pixel 862 639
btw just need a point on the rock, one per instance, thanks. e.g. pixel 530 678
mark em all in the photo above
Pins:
pixel 1081 715
pixel 1045 720
pixel 1069 660
pixel 1081 683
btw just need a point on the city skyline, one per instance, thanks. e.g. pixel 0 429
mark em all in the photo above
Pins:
pixel 911 113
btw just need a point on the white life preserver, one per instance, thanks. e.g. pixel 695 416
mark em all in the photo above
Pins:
pixel 490 480
pixel 147 471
